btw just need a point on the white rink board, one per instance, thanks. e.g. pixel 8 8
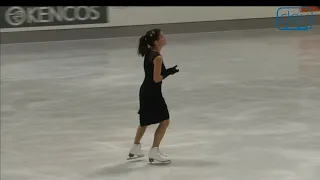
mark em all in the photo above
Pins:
pixel 128 16
pixel 159 15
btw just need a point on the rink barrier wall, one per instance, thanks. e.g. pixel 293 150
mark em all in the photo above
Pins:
pixel 98 32
pixel 35 18
pixel 127 31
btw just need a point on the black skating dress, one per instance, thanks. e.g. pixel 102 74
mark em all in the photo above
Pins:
pixel 153 108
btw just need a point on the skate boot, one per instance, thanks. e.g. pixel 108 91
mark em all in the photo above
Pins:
pixel 135 152
pixel 157 155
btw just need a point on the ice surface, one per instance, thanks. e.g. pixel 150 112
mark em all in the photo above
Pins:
pixel 245 106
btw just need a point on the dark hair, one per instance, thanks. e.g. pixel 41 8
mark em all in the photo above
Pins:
pixel 147 41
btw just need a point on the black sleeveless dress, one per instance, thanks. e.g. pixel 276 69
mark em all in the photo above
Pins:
pixel 153 108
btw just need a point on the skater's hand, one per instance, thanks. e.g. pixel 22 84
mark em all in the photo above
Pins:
pixel 170 71
pixel 173 70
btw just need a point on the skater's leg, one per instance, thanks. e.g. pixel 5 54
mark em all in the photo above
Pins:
pixel 155 153
pixel 161 130
pixel 136 147
pixel 139 134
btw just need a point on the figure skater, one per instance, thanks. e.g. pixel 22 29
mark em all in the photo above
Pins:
pixel 153 108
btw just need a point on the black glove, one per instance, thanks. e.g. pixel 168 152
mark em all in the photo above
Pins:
pixel 170 71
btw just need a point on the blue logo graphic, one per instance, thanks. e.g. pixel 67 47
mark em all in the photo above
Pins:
pixel 290 18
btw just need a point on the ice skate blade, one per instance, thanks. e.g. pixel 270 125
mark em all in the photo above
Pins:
pixel 134 157
pixel 154 161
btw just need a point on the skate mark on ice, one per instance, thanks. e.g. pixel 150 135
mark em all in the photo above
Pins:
pixel 111 146
pixel 121 168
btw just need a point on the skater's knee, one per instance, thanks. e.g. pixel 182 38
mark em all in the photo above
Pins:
pixel 165 123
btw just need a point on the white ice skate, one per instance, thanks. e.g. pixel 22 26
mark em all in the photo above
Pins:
pixel 135 152
pixel 156 155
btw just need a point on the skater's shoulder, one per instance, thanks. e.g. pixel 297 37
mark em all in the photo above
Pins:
pixel 154 54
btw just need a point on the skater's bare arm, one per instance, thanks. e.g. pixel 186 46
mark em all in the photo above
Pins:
pixel 157 69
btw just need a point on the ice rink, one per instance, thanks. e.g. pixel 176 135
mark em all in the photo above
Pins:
pixel 244 106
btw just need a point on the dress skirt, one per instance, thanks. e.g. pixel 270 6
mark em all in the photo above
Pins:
pixel 153 108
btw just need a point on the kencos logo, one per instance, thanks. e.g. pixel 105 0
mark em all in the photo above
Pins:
pixel 15 16
pixel 54 15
